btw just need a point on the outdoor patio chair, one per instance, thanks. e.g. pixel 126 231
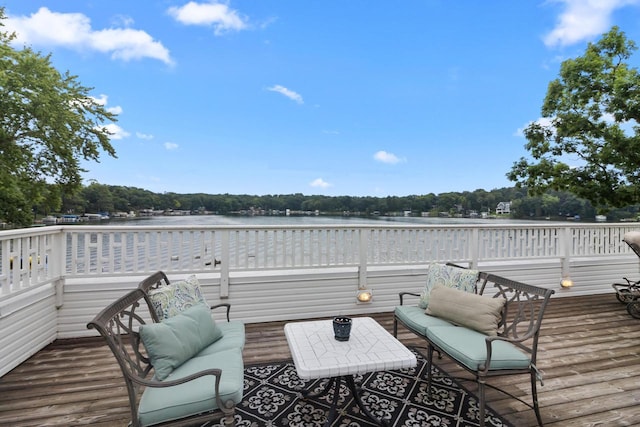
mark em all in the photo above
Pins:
pixel 169 384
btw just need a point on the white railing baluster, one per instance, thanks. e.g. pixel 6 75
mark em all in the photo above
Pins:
pixel 225 257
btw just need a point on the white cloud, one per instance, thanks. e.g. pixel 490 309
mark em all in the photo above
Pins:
pixel 73 31
pixel 384 157
pixel 170 146
pixel 122 21
pixel 218 15
pixel 319 183
pixel 144 136
pixel 116 131
pixel 128 44
pixel 103 100
pixel 287 92
pixel 583 19
pixel 545 122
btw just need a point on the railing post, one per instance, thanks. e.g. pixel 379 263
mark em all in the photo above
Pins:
pixel 224 264
pixel 362 266
pixel 5 287
pixel 475 248
pixel 565 252
pixel 57 264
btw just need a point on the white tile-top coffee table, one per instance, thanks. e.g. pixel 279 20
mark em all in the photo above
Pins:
pixel 317 354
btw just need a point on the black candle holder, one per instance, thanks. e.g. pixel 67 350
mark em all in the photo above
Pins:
pixel 342 328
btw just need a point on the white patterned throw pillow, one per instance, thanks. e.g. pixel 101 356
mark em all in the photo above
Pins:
pixel 449 276
pixel 172 299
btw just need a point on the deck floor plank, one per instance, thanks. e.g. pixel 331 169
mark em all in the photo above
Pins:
pixel 588 351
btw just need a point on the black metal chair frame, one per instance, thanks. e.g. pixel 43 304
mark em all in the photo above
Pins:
pixel 629 293
pixel 118 323
pixel 520 326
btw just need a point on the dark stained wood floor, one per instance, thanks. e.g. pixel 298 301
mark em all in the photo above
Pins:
pixel 589 351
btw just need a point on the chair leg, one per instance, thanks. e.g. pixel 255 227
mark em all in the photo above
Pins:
pixel 534 395
pixel 395 327
pixel 429 367
pixel 229 410
pixel 229 420
pixel 481 402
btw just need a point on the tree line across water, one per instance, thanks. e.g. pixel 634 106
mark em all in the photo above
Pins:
pixel 100 198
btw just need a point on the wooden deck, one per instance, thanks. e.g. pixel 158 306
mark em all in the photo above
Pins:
pixel 589 351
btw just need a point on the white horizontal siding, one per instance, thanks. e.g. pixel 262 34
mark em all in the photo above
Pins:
pixel 84 298
pixel 293 295
pixel 299 294
pixel 28 329
pixel 270 296
pixel 595 276
pixel 543 273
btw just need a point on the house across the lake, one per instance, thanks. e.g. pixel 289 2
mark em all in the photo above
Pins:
pixel 503 208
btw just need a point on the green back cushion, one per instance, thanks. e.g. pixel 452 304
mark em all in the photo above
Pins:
pixel 449 276
pixel 173 341
pixel 172 299
pixel 476 312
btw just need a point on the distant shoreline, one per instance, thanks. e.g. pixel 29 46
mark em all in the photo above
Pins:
pixel 313 220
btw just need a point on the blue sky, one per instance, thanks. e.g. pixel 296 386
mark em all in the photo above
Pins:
pixel 359 98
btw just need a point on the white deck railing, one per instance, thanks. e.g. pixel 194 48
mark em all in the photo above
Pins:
pixel 30 257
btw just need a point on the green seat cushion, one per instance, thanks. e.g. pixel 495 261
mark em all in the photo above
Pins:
pixel 232 337
pixel 416 319
pixel 469 348
pixel 175 340
pixel 197 396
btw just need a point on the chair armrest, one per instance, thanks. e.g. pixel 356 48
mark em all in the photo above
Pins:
pixel 222 305
pixel 512 340
pixel 169 383
pixel 402 295
pixel 217 373
pixel 515 341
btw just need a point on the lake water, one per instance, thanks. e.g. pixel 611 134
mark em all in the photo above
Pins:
pixel 307 220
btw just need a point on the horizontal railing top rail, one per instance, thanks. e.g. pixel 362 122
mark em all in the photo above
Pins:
pixel 30 257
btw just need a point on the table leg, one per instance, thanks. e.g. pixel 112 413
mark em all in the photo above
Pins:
pixel 325 390
pixel 334 404
pixel 356 395
pixel 336 383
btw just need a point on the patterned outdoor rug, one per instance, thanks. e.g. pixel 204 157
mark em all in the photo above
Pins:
pixel 272 399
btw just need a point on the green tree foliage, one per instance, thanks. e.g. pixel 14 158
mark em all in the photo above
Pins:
pixel 590 145
pixel 99 198
pixel 48 123
pixel 553 204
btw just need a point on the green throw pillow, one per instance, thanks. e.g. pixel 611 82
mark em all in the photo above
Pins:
pixel 476 312
pixel 177 339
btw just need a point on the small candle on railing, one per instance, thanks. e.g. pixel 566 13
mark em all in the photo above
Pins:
pixel 566 282
pixel 364 296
